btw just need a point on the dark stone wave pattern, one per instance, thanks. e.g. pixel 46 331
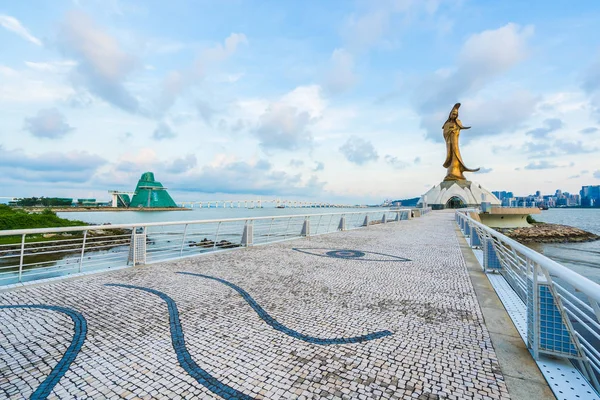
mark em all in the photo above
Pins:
pixel 183 355
pixel 273 323
pixel 59 370
pixel 347 254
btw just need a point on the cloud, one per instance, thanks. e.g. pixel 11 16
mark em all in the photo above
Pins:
pixel 566 147
pixel 417 160
pixel 52 66
pixel 319 167
pixel 296 163
pixel 488 116
pixel 549 125
pixel 591 85
pixel 48 123
pixel 485 170
pixel 395 162
pixel 243 177
pixel 597 174
pixel 340 76
pixel 590 130
pixel 102 65
pixel 380 20
pixel 558 148
pixel 163 131
pixel 12 24
pixel 178 81
pixel 221 52
pixel 358 151
pixel 182 164
pixel 543 164
pixel 205 110
pixel 284 125
pixel 74 167
pixel 484 57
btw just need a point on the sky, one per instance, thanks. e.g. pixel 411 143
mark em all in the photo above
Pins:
pixel 335 101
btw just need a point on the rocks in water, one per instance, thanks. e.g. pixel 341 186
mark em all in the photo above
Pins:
pixel 549 233
pixel 207 243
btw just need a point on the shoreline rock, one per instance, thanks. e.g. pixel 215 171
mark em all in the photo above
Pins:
pixel 549 233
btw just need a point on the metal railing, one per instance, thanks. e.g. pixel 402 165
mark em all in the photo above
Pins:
pixel 33 254
pixel 563 313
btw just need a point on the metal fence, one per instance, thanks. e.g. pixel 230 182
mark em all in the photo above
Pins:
pixel 33 254
pixel 563 313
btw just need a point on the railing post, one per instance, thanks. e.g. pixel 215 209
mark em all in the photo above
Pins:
pixel 342 225
pixel 270 227
pixel 82 250
pixel 533 302
pixel 383 219
pixel 305 227
pixel 475 240
pixel 490 258
pixel 137 247
pixel 397 216
pixel 216 236
pixel 183 240
pixel 409 215
pixel 248 235
pixel 21 258
pixel 366 222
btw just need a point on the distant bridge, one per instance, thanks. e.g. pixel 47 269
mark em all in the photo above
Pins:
pixel 255 203
pixel 278 203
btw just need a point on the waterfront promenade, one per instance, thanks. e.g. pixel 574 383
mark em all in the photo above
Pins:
pixel 388 311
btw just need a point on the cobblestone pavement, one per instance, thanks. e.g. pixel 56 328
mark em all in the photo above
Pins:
pixel 265 322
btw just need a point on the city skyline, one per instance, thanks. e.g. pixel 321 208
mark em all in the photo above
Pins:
pixel 341 102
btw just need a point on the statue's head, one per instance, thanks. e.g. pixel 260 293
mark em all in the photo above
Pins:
pixel 454 112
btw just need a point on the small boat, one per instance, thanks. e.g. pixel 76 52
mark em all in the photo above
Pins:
pixel 279 206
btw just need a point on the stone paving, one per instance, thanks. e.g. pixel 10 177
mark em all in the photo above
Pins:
pixel 386 312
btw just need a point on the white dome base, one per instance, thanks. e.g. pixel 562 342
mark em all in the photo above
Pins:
pixel 470 193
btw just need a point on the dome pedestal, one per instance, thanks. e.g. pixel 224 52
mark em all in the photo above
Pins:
pixel 457 194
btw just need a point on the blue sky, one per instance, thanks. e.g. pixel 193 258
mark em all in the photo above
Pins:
pixel 329 101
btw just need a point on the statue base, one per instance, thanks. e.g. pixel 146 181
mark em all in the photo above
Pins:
pixel 457 194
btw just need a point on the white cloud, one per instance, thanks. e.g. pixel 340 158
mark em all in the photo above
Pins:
pixel 178 81
pixel 49 124
pixel 284 125
pixel 12 24
pixel 163 131
pixel 484 57
pixel 103 66
pixel 52 66
pixel 359 151
pixel 340 76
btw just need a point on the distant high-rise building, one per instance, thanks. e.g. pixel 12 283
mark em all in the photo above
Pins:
pixel 590 196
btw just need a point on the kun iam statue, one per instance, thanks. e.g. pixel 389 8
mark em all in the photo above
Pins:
pixel 454 162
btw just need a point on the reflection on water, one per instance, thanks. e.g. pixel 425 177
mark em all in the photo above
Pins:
pixel 583 258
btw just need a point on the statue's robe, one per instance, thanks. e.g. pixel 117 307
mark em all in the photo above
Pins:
pixel 454 162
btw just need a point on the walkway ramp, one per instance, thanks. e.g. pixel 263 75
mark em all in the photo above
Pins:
pixel 384 312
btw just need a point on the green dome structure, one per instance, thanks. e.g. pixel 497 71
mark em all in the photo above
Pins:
pixel 151 194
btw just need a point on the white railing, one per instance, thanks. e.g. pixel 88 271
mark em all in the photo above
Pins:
pixel 563 313
pixel 32 254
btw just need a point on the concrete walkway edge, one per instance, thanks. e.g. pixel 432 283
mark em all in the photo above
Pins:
pixel 523 378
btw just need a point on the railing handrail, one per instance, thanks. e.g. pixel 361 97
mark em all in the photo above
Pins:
pixel 589 287
pixel 16 232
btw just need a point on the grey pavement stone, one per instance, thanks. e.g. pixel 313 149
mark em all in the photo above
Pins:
pixel 440 347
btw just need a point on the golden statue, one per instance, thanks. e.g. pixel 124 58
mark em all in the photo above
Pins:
pixel 454 162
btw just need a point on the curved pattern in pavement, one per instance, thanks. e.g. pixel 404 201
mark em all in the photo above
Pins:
pixel 80 331
pixel 183 355
pixel 273 323
pixel 347 254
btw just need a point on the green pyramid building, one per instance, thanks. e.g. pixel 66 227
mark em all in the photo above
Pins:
pixel 150 193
